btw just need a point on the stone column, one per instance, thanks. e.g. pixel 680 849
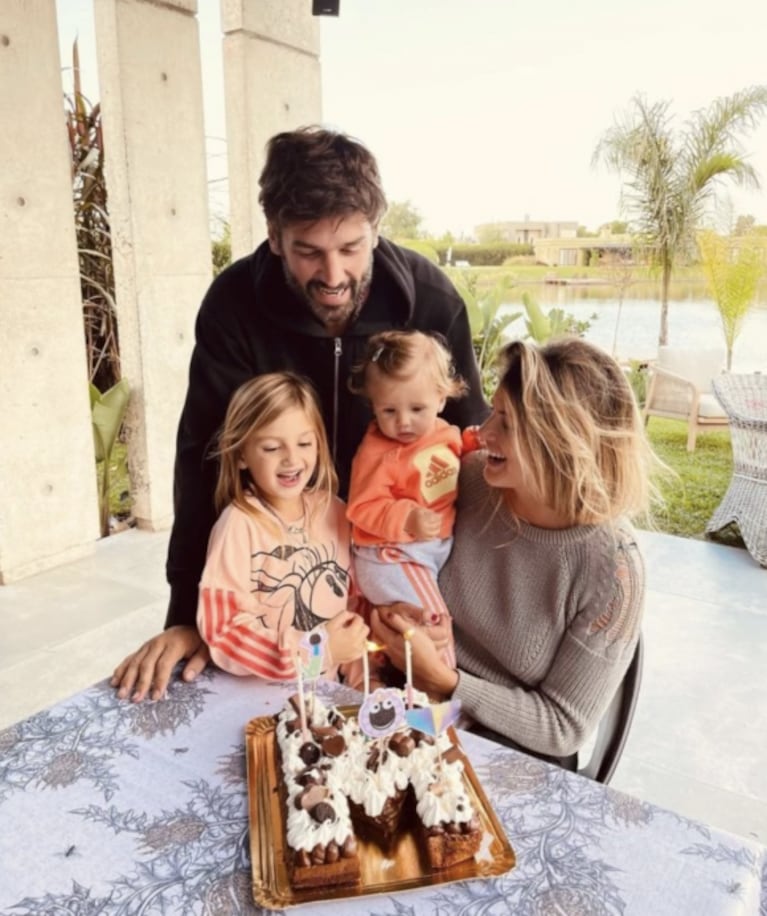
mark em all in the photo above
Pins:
pixel 151 97
pixel 48 499
pixel 271 83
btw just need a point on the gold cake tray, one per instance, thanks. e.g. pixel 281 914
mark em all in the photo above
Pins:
pixel 400 868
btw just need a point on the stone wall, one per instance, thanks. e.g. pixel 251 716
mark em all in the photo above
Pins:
pixel 151 95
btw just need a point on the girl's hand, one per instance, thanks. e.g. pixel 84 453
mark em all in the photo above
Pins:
pixel 347 633
pixel 430 673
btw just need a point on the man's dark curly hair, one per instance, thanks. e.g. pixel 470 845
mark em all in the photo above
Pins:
pixel 312 173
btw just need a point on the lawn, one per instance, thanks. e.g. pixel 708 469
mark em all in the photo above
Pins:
pixel 700 479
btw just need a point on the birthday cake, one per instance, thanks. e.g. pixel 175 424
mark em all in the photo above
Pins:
pixel 369 776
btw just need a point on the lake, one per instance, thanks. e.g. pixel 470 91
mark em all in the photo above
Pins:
pixel 693 321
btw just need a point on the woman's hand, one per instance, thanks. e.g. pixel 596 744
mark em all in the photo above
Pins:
pixel 149 668
pixel 430 673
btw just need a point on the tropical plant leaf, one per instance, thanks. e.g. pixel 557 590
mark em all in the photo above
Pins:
pixel 107 413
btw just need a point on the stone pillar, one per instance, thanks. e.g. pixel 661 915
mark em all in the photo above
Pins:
pixel 154 143
pixel 271 83
pixel 48 498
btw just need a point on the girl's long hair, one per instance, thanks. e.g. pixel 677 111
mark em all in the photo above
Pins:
pixel 253 406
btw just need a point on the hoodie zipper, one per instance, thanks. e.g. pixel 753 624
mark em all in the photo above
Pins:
pixel 336 378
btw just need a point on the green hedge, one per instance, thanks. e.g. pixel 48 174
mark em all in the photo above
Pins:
pixel 491 255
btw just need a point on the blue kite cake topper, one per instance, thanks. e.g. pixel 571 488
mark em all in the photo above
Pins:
pixel 434 719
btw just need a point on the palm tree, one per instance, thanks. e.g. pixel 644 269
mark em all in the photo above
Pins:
pixel 671 175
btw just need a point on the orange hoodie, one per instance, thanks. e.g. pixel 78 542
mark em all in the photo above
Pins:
pixel 390 479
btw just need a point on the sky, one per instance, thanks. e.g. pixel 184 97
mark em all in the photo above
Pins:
pixel 490 110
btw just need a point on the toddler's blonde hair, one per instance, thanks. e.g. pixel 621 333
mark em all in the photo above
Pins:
pixel 398 354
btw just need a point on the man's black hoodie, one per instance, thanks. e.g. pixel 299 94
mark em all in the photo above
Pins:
pixel 249 323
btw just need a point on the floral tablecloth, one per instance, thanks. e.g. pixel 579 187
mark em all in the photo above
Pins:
pixel 115 808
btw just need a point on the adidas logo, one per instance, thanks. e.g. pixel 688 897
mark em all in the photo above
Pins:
pixel 437 471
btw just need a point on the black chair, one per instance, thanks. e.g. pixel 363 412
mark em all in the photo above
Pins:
pixel 614 727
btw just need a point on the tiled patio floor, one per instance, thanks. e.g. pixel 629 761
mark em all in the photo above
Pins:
pixel 699 740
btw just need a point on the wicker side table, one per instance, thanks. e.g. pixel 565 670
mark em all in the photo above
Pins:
pixel 744 397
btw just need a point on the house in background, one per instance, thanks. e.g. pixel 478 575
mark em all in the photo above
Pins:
pixel 527 232
pixel 580 252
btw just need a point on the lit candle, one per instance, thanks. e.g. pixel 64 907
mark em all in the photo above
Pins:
pixel 369 647
pixel 301 698
pixel 407 635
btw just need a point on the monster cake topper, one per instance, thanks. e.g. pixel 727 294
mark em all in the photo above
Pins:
pixel 383 713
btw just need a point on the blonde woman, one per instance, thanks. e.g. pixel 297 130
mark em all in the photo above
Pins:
pixel 545 581
pixel 276 582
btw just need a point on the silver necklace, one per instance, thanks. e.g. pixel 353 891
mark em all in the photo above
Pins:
pixel 296 529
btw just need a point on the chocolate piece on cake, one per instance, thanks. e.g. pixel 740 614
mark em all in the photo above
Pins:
pixel 449 844
pixel 385 825
pixel 328 865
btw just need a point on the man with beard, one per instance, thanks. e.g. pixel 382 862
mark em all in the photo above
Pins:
pixel 305 300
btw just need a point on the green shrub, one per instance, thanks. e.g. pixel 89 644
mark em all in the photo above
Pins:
pixel 490 255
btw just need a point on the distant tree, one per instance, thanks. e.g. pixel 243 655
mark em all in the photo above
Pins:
pixel 583 233
pixel 401 221
pixel 616 227
pixel 732 271
pixel 744 224
pixel 490 233
pixel 619 269
pixel 670 175
pixel 221 247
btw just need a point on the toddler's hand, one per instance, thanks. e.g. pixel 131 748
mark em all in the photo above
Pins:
pixel 423 524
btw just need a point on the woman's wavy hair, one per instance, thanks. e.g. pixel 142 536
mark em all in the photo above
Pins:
pixel 396 354
pixel 312 173
pixel 578 429
pixel 253 406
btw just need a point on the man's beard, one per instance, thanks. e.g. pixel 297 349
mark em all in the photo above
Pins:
pixel 333 317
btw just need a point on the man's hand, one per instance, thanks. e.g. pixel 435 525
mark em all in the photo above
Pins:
pixel 150 667
pixel 423 524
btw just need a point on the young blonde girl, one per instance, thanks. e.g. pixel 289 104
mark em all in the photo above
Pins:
pixel 276 580
pixel 405 474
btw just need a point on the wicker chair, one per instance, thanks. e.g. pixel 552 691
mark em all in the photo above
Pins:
pixel 744 397
pixel 679 388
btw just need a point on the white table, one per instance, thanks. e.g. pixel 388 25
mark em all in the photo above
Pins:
pixel 113 808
